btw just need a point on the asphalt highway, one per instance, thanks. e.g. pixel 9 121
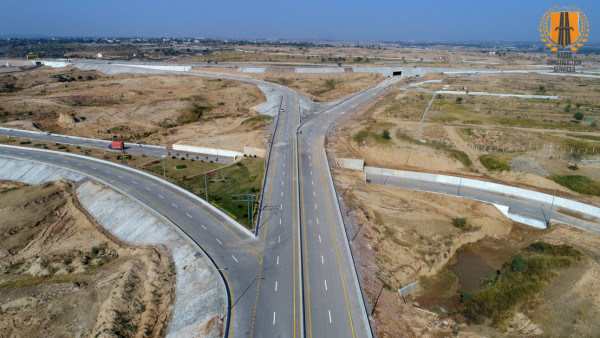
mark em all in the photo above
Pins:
pixel 230 247
pixel 130 148
pixel 333 304
pixel 296 278
pixel 527 208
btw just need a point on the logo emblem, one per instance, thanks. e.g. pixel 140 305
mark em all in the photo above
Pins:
pixel 564 28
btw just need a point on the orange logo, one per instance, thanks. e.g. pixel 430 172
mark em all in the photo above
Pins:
pixel 564 28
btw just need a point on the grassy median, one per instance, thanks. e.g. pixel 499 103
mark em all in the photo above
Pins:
pixel 223 181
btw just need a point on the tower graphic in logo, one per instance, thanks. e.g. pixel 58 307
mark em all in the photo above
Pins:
pixel 564 28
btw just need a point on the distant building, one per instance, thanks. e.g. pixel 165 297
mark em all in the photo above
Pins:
pixel 99 55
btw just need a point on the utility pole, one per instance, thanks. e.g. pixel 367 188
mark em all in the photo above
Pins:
pixel 374 267
pixel 551 207
pixel 219 294
pixel 205 186
pixel 250 199
pixel 460 182
pixel 164 170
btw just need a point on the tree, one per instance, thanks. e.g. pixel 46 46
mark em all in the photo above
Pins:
pixel 578 116
pixel 459 100
pixel 386 134
pixel 542 89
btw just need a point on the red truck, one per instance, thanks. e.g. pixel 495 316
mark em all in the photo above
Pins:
pixel 116 146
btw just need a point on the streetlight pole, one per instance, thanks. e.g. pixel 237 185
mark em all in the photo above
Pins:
pixel 460 182
pixel 551 207
pixel 205 186
pixel 219 293
pixel 164 170
pixel 374 267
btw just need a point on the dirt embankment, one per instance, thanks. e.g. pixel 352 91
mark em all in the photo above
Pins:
pixel 417 236
pixel 159 109
pixel 323 87
pixel 63 275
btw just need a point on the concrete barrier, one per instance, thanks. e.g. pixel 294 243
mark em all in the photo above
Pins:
pixel 251 151
pixel 489 186
pixel 208 151
pixel 351 163
pixel 171 68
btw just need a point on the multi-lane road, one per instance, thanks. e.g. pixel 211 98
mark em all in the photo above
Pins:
pixel 529 209
pixel 296 278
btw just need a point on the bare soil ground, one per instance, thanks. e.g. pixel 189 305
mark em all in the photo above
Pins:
pixel 399 112
pixel 411 236
pixel 161 109
pixel 63 275
pixel 324 87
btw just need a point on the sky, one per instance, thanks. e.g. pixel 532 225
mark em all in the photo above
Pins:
pixel 377 20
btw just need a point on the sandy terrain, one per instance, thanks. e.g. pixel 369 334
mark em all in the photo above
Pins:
pixel 399 112
pixel 160 109
pixel 410 235
pixel 56 261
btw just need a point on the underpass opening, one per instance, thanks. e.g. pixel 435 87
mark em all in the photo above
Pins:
pixel 397 73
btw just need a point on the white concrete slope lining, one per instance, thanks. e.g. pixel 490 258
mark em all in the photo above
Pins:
pixel 195 293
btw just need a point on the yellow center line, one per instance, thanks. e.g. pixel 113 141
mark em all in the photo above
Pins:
pixel 335 242
pixel 265 233
pixel 294 229
pixel 166 215
pixel 195 205
pixel 304 234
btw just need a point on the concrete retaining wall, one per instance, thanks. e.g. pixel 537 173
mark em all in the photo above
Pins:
pixel 319 70
pixel 489 186
pixel 208 151
pixel 251 151
pixel 351 163
pixel 171 68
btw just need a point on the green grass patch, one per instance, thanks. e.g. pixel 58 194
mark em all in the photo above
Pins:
pixel 223 181
pixel 374 134
pixel 256 122
pixel 456 154
pixel 494 163
pixel 8 140
pixel 518 282
pixel 578 183
pixel 586 137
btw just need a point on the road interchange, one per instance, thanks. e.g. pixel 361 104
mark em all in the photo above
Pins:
pixel 297 277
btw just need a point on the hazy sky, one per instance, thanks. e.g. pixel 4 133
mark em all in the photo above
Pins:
pixel 448 20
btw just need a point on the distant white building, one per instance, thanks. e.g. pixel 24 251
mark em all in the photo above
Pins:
pixel 99 55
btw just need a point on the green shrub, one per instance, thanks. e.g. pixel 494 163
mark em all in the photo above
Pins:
pixel 578 183
pixel 385 134
pixel 494 164
pixel 518 282
pixel 181 166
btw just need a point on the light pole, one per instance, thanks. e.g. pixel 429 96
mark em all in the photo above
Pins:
pixel 460 182
pixel 374 267
pixel 164 170
pixel 551 207
pixel 219 293
pixel 205 186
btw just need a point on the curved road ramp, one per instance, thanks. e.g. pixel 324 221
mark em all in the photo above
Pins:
pixel 195 310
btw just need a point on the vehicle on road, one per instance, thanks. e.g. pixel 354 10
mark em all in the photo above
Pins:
pixel 116 146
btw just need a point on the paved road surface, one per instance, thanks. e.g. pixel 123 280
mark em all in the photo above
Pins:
pixel 519 206
pixel 130 148
pixel 230 247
